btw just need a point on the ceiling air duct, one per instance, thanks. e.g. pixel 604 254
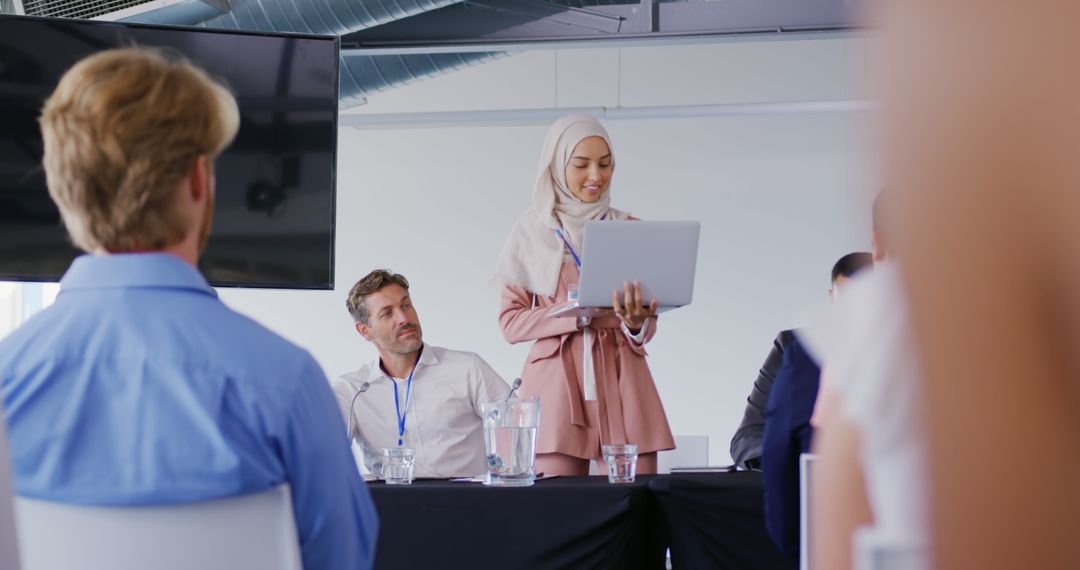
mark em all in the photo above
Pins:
pixel 361 75
pixel 150 11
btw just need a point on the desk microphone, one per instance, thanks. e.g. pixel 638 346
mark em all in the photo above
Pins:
pixel 363 388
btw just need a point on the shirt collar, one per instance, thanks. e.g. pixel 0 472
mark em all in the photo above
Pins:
pixel 427 358
pixel 119 270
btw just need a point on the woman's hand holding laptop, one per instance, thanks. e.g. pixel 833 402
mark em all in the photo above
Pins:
pixel 631 308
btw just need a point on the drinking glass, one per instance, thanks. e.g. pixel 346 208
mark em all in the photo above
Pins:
pixel 397 467
pixel 510 440
pixel 621 462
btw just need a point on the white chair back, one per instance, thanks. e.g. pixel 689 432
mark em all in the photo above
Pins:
pixel 9 550
pixel 252 532
pixel 873 550
pixel 807 461
pixel 690 451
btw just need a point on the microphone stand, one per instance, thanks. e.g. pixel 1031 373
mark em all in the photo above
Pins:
pixel 363 388
pixel 349 427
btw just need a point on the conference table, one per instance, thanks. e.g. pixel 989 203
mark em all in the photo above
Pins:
pixel 707 520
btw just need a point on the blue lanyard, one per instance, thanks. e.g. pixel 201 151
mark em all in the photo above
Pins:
pixel 573 253
pixel 577 260
pixel 397 404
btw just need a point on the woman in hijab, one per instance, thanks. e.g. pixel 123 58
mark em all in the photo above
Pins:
pixel 590 374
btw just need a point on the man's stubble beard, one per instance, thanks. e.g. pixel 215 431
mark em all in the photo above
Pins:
pixel 407 346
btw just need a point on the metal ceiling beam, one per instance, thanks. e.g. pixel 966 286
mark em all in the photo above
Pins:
pixel 480 22
pixel 622 40
pixel 506 117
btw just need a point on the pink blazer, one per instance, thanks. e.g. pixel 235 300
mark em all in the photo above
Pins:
pixel 628 407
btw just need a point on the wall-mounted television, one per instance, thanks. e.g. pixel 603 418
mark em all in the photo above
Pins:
pixel 274 218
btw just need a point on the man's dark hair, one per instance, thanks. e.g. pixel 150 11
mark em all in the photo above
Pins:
pixel 370 284
pixel 851 264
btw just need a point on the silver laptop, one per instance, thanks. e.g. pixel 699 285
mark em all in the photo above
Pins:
pixel 661 255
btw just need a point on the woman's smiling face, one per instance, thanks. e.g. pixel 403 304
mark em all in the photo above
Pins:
pixel 588 173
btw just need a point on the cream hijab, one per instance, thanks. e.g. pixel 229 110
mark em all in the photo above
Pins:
pixel 533 255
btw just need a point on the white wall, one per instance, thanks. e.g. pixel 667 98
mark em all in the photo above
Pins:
pixel 780 198
pixel 11 307
pixel 20 301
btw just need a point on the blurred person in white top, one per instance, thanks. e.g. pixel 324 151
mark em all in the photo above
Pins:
pixel 872 468
pixel 413 394
pixel 984 128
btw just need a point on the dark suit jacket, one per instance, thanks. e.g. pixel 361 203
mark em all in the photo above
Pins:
pixel 746 445
pixel 787 435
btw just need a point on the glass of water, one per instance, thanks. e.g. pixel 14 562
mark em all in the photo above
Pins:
pixel 397 467
pixel 621 462
pixel 510 440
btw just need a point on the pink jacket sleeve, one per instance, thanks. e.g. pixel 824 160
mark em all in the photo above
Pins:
pixel 521 322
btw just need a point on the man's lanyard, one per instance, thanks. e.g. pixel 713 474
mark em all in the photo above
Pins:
pixel 397 402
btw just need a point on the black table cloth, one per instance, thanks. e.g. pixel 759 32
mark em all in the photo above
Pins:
pixel 716 520
pixel 708 520
pixel 565 522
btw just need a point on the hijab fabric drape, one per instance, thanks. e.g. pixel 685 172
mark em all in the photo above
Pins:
pixel 533 255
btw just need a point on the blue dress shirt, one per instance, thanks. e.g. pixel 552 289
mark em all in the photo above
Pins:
pixel 138 386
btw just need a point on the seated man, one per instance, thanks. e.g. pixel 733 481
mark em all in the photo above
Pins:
pixel 416 395
pixel 746 444
pixel 138 386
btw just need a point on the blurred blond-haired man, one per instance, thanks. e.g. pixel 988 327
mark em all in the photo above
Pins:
pixel 138 386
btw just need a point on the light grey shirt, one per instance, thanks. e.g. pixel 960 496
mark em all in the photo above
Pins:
pixel 442 420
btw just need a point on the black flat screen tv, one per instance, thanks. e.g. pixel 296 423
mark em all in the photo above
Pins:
pixel 274 218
